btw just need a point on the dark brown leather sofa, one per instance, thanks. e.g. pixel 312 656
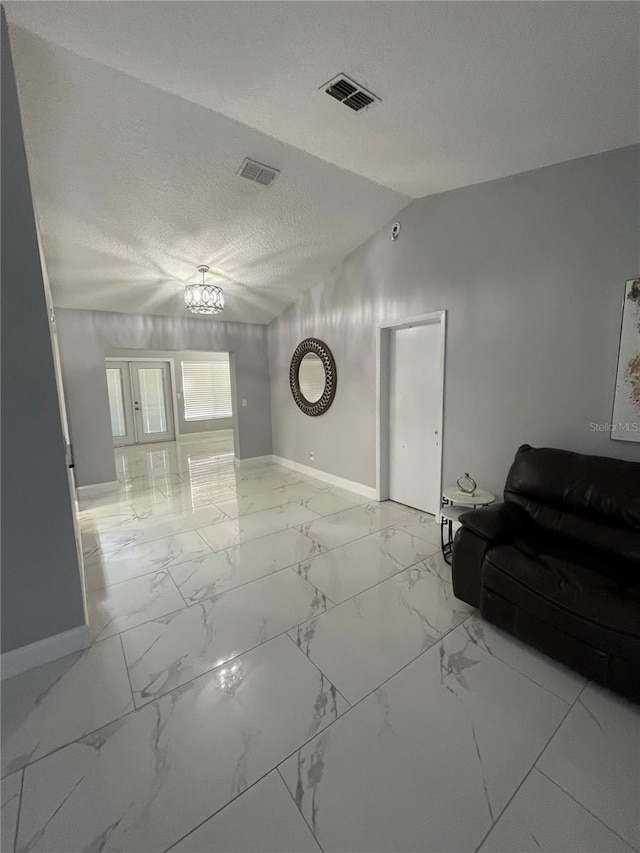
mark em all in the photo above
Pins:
pixel 558 563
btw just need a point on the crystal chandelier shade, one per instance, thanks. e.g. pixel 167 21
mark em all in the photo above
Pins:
pixel 203 298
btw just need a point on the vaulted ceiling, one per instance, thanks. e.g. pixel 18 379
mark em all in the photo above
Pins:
pixel 137 116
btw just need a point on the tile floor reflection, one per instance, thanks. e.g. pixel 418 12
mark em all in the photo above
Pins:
pixel 281 665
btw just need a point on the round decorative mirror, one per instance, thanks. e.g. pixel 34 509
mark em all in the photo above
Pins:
pixel 312 377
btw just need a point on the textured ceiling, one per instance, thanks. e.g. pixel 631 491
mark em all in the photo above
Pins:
pixel 138 114
pixel 135 186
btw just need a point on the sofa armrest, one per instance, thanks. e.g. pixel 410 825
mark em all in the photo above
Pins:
pixel 469 552
pixel 498 523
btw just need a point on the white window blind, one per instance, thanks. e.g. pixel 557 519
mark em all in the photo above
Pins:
pixel 206 390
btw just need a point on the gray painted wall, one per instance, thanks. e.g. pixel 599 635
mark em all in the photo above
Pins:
pixel 86 336
pixel 531 270
pixel 41 591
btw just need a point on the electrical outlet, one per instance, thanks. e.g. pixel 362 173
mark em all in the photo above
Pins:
pixel 312 455
pixel 244 402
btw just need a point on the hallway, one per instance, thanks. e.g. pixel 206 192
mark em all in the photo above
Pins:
pixel 269 643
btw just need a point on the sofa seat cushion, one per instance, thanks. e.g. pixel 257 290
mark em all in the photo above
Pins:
pixel 550 549
pixel 600 608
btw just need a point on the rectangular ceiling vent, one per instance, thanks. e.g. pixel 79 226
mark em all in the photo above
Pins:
pixel 349 93
pixel 258 172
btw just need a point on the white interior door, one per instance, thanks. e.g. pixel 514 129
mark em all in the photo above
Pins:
pixel 415 415
pixel 120 403
pixel 68 449
pixel 66 434
pixel 152 401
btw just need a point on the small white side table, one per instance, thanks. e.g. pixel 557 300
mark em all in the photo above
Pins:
pixel 454 503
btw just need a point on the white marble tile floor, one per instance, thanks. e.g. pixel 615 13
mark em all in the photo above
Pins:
pixel 281 665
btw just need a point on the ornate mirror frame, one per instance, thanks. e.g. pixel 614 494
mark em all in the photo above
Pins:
pixel 313 345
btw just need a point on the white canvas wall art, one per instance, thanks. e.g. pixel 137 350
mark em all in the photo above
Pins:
pixel 625 424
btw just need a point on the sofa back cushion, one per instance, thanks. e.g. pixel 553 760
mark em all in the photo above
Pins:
pixel 592 499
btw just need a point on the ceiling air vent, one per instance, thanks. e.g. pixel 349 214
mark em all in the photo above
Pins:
pixel 349 93
pixel 258 172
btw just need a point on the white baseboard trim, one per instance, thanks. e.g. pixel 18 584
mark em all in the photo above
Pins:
pixel 250 461
pixel 97 489
pixel 44 651
pixel 350 485
pixel 207 435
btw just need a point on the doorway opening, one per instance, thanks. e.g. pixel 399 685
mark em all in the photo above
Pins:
pixel 410 408
pixel 161 396
pixel 173 425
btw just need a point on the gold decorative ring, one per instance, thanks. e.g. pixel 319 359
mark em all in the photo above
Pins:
pixel 470 486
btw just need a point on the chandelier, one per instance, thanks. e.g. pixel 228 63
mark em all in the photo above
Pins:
pixel 203 298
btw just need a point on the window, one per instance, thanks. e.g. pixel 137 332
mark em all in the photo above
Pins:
pixel 206 389
pixel 152 402
pixel 116 402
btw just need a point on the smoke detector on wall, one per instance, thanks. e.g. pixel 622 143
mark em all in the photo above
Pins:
pixel 349 93
pixel 258 172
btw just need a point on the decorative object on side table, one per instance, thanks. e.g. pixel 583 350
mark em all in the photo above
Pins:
pixel 466 484
pixel 465 495
pixel 625 424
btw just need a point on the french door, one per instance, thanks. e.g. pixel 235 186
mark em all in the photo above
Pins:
pixel 140 401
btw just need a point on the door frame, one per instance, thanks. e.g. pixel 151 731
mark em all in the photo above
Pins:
pixel 172 402
pixel 383 380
